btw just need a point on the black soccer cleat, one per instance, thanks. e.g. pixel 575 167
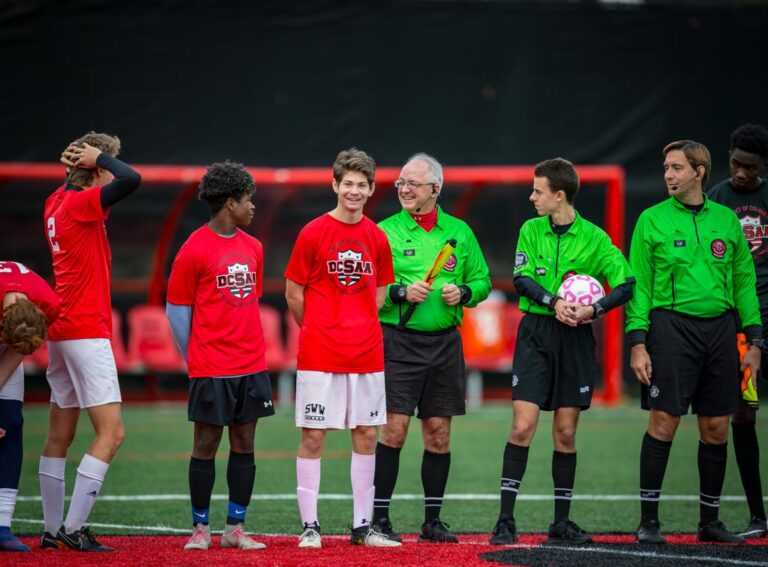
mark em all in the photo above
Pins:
pixel 505 532
pixel 49 541
pixel 566 531
pixel 649 531
pixel 358 535
pixel 384 527
pixel 757 528
pixel 715 532
pixel 81 540
pixel 436 531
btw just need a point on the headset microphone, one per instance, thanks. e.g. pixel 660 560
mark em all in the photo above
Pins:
pixel 679 185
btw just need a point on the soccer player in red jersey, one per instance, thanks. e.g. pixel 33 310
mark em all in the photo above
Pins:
pixel 81 371
pixel 29 306
pixel 335 284
pixel 213 308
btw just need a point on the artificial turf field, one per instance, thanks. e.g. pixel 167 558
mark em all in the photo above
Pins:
pixel 146 489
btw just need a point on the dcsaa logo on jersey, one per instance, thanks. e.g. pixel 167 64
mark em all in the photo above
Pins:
pixel 314 412
pixel 349 267
pixel 239 279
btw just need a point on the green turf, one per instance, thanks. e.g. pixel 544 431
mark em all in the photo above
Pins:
pixel 154 460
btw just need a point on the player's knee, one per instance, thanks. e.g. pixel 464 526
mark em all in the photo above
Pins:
pixel 565 436
pixel 522 432
pixel 393 434
pixel 312 442
pixel 59 440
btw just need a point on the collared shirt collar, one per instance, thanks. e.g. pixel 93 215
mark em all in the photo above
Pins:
pixel 577 222
pixel 411 224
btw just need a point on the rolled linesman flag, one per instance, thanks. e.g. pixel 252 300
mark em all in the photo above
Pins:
pixel 440 261
pixel 748 382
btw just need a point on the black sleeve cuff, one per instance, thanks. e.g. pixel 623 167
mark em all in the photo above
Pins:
pixel 466 294
pixel 637 337
pixel 753 332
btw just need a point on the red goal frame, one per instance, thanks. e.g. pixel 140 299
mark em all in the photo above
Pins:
pixel 474 179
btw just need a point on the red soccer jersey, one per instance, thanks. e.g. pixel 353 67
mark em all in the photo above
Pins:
pixel 341 265
pixel 221 278
pixel 82 263
pixel 15 277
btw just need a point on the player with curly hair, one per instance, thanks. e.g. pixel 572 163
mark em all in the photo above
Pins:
pixel 746 192
pixel 213 308
pixel 28 307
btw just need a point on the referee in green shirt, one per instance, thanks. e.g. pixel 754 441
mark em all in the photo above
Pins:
pixel 423 358
pixel 554 363
pixel 695 289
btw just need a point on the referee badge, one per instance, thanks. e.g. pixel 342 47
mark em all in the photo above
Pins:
pixel 718 248
pixel 521 259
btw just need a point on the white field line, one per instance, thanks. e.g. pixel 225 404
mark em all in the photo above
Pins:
pixel 493 497
pixel 655 555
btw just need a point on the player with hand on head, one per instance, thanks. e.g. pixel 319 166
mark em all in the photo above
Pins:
pixel 28 307
pixel 423 351
pixel 695 286
pixel 81 371
pixel 554 362
pixel 213 308
pixel 746 193
pixel 336 279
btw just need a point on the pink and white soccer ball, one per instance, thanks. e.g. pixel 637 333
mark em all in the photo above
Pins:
pixel 581 289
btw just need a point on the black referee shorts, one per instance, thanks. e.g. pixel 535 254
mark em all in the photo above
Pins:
pixel 554 364
pixel 693 363
pixel 425 371
pixel 230 401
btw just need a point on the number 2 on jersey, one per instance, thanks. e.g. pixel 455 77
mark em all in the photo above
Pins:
pixel 52 234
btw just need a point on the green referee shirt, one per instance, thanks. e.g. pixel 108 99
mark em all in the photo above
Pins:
pixel 549 259
pixel 694 263
pixel 414 251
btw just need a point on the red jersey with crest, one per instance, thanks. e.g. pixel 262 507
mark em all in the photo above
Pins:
pixel 82 263
pixel 221 278
pixel 15 277
pixel 341 266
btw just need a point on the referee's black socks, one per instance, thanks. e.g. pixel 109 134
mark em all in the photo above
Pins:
pixel 563 475
pixel 747 451
pixel 434 477
pixel 712 460
pixel 654 456
pixel 512 471
pixel 384 479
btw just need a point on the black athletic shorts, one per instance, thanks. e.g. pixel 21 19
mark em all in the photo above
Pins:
pixel 424 370
pixel 554 364
pixel 693 362
pixel 230 401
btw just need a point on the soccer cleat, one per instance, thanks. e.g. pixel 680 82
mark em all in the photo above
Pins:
pixel 80 540
pixel 358 535
pixel 384 527
pixel 238 539
pixel 311 536
pixel 374 538
pixel 716 532
pixel 200 539
pixel 8 542
pixel 566 531
pixel 435 531
pixel 505 532
pixel 649 531
pixel 757 528
pixel 49 541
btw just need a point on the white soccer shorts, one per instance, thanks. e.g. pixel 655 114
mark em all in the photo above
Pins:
pixel 82 373
pixel 326 400
pixel 14 387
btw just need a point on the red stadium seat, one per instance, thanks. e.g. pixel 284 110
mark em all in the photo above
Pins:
pixel 273 337
pixel 150 340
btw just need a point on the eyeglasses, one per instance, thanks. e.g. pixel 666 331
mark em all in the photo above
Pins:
pixel 400 183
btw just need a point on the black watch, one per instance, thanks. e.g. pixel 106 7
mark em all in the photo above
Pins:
pixel 402 292
pixel 759 343
pixel 549 301
pixel 599 310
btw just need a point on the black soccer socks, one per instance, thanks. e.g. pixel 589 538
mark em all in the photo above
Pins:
pixel 241 473
pixel 563 475
pixel 747 451
pixel 202 474
pixel 385 477
pixel 654 456
pixel 712 460
pixel 512 471
pixel 434 477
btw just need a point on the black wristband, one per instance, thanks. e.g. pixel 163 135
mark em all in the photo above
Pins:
pixel 466 294
pixel 637 337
